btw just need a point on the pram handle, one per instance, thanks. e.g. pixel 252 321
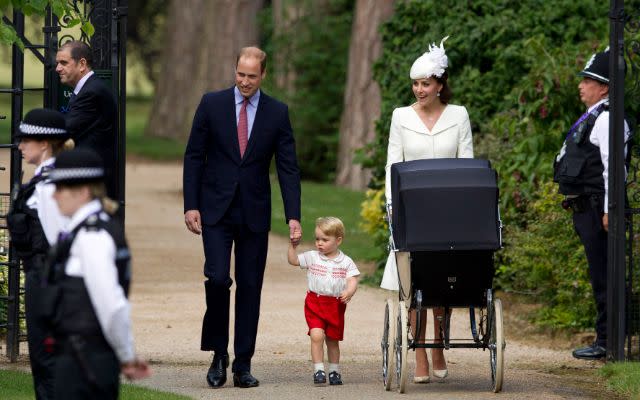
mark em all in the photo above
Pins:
pixel 392 245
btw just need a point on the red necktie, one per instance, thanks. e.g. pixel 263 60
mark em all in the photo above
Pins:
pixel 243 127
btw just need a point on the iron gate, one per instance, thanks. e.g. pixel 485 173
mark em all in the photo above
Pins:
pixel 108 45
pixel 623 291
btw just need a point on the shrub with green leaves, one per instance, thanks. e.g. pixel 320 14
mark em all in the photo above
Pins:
pixel 513 65
pixel 546 262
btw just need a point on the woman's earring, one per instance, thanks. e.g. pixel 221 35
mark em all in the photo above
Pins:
pixel 438 94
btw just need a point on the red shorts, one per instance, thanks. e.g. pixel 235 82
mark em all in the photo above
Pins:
pixel 326 313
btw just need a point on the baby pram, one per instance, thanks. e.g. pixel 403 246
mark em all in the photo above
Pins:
pixel 445 227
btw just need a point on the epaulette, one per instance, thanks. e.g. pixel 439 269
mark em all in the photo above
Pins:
pixel 92 223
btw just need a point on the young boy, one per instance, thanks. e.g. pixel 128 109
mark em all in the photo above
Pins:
pixel 332 279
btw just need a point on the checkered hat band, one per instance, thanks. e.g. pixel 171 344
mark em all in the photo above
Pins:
pixel 595 76
pixel 40 130
pixel 62 174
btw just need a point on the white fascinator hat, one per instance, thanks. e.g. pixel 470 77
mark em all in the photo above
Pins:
pixel 432 63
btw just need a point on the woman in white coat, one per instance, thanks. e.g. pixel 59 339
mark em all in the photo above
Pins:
pixel 429 128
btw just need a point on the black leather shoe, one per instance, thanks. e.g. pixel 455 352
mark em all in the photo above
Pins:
pixel 244 380
pixel 335 378
pixel 217 374
pixel 319 378
pixel 593 352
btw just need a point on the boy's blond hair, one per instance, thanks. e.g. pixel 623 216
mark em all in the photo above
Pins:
pixel 331 226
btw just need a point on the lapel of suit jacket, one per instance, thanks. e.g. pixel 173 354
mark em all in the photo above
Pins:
pixel 444 122
pixel 83 90
pixel 257 125
pixel 414 122
pixel 87 83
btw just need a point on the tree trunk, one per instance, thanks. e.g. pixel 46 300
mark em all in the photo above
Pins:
pixel 285 15
pixel 362 94
pixel 200 55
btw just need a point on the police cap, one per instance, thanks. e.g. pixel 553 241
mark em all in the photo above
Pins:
pixel 597 67
pixel 77 166
pixel 42 123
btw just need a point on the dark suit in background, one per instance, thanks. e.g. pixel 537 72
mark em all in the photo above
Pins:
pixel 92 121
pixel 233 196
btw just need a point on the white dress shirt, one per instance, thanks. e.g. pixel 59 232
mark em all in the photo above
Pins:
pixel 81 82
pixel 327 276
pixel 48 212
pixel 252 108
pixel 92 257
pixel 600 137
pixel 410 139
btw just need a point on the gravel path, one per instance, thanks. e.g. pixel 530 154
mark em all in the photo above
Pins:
pixel 168 304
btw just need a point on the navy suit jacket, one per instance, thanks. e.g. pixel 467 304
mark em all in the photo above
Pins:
pixel 214 171
pixel 91 120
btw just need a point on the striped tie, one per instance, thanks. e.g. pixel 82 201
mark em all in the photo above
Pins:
pixel 243 128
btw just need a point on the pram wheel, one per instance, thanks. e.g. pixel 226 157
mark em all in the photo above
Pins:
pixel 401 346
pixel 496 346
pixel 387 344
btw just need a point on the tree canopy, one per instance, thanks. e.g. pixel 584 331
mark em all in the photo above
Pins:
pixel 61 8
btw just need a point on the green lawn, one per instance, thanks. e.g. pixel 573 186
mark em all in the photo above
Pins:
pixel 138 109
pixel 323 199
pixel 623 378
pixel 19 386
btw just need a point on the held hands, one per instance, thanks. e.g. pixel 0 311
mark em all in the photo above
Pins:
pixel 193 221
pixel 295 232
pixel 136 369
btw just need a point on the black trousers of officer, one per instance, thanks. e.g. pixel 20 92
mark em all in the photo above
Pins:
pixel 92 374
pixel 42 362
pixel 250 250
pixel 588 225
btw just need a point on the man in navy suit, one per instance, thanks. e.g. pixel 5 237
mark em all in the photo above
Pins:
pixel 227 198
pixel 92 113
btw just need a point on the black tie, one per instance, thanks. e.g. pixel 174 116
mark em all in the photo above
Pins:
pixel 72 99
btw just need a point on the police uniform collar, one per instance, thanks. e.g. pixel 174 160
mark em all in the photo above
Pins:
pixel 336 259
pixel 593 107
pixel 45 165
pixel 91 208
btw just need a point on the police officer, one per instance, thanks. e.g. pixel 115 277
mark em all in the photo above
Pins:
pixel 34 222
pixel 581 170
pixel 89 280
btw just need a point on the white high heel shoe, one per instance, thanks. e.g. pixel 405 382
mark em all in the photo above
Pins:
pixel 441 373
pixel 421 379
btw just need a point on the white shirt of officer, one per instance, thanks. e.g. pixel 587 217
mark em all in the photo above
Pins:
pixel 92 257
pixel 42 200
pixel 600 137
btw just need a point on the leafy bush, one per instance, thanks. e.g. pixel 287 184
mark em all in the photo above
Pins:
pixel 513 65
pixel 485 50
pixel 546 262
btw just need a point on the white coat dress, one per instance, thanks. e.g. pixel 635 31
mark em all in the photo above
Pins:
pixel 410 139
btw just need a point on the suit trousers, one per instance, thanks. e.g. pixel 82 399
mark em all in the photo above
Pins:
pixel 588 226
pixel 42 362
pixel 250 250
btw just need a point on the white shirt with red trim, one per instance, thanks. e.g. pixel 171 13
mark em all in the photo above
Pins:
pixel 327 276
